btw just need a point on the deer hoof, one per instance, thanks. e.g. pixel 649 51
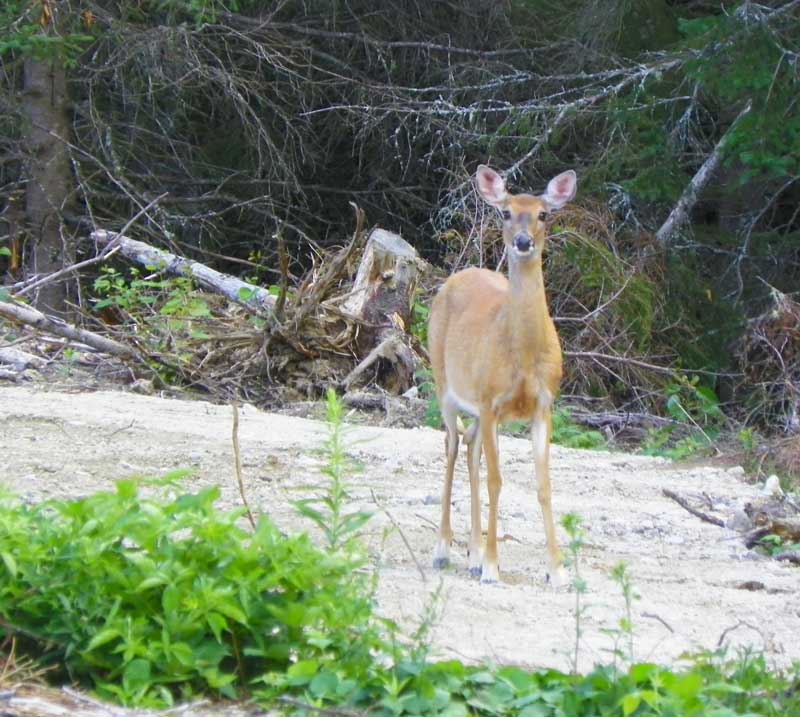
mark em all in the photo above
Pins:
pixel 440 563
pixel 558 578
pixel 475 572
pixel 489 574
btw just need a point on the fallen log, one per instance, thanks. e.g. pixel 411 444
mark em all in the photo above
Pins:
pixel 33 317
pixel 620 420
pixel 19 360
pixel 254 298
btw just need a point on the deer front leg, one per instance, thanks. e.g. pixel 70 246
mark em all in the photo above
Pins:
pixel 489 569
pixel 474 445
pixel 540 434
pixel 441 555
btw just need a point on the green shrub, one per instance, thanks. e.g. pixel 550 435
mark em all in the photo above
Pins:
pixel 566 432
pixel 597 276
pixel 153 599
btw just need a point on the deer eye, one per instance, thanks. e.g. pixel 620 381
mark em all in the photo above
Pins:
pixel 543 216
pixel 506 215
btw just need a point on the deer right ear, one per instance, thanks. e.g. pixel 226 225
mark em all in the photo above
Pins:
pixel 491 186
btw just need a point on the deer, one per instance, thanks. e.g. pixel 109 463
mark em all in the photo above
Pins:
pixel 496 356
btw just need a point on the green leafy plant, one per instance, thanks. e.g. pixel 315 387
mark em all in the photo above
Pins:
pixel 748 440
pixel 662 442
pixel 152 599
pixel 170 306
pixel 694 408
pixel 24 28
pixel 173 296
pixel 566 432
pixel 774 545
pixel 419 321
pixel 427 389
pixel 624 632
pixel 328 510
pixel 688 400
pixel 159 598
pixel 573 525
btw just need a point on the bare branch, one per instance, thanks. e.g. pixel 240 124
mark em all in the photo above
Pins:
pixel 680 213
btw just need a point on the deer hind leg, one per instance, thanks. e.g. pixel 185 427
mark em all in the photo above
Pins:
pixel 540 435
pixel 441 555
pixel 489 570
pixel 474 446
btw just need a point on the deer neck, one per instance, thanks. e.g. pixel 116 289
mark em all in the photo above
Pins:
pixel 528 317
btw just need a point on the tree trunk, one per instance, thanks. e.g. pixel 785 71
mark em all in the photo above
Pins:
pixel 48 177
pixel 383 297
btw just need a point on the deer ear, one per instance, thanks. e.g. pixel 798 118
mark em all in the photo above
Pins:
pixel 491 186
pixel 561 189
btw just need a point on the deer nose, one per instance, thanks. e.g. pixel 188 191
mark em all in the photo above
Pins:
pixel 522 242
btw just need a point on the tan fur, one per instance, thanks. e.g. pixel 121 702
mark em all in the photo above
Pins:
pixel 493 344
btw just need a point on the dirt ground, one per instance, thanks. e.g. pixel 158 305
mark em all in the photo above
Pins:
pixel 698 585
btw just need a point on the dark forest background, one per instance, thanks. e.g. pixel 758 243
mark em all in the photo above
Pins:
pixel 266 119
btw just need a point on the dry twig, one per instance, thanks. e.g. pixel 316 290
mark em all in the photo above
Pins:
pixel 694 511
pixel 237 462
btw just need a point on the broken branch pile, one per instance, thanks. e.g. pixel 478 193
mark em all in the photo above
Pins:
pixel 242 341
pixel 769 358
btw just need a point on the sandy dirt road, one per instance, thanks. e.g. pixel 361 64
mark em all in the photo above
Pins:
pixel 694 580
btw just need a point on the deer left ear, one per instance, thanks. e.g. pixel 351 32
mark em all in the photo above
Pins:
pixel 561 189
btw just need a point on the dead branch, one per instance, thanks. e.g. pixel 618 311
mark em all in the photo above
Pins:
pixel 402 535
pixel 390 349
pixel 680 213
pixel 314 289
pixel 19 360
pixel 329 712
pixel 653 616
pixel 694 511
pixel 597 356
pixel 733 628
pixel 250 296
pixel 283 260
pixel 237 463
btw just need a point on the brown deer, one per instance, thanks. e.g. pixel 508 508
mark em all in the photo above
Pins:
pixel 496 356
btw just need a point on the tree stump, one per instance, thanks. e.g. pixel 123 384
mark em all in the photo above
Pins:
pixel 383 299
